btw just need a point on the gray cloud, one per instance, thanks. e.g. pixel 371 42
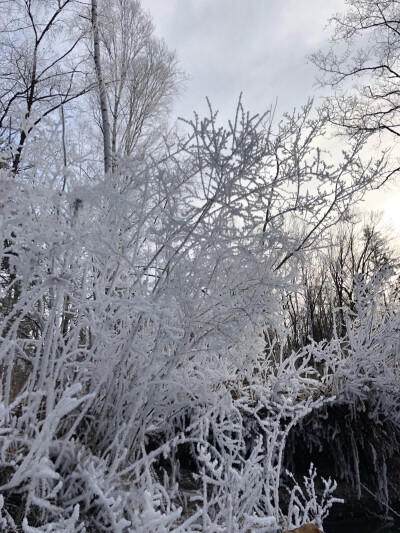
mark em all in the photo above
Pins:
pixel 255 46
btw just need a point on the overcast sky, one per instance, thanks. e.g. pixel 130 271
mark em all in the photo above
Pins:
pixel 257 47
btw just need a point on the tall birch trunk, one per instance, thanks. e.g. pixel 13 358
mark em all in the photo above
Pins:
pixel 102 91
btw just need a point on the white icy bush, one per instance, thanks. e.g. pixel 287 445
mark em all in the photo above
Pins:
pixel 134 312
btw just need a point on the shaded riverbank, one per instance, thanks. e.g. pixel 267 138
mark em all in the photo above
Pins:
pixel 370 526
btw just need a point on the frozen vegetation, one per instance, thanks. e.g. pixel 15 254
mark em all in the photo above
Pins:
pixel 165 328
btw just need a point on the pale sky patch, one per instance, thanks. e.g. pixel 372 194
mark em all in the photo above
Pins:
pixel 257 47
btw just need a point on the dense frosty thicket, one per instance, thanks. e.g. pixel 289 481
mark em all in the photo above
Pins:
pixel 148 380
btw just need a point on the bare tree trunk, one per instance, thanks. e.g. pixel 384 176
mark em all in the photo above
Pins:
pixel 102 91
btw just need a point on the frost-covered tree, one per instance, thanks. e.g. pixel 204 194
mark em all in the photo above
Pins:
pixel 41 68
pixel 353 251
pixel 105 121
pixel 140 75
pixel 362 68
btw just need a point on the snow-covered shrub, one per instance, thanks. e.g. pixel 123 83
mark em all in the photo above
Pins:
pixel 137 304
pixel 306 505
pixel 360 430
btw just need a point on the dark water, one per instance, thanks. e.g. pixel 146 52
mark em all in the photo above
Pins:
pixel 362 527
